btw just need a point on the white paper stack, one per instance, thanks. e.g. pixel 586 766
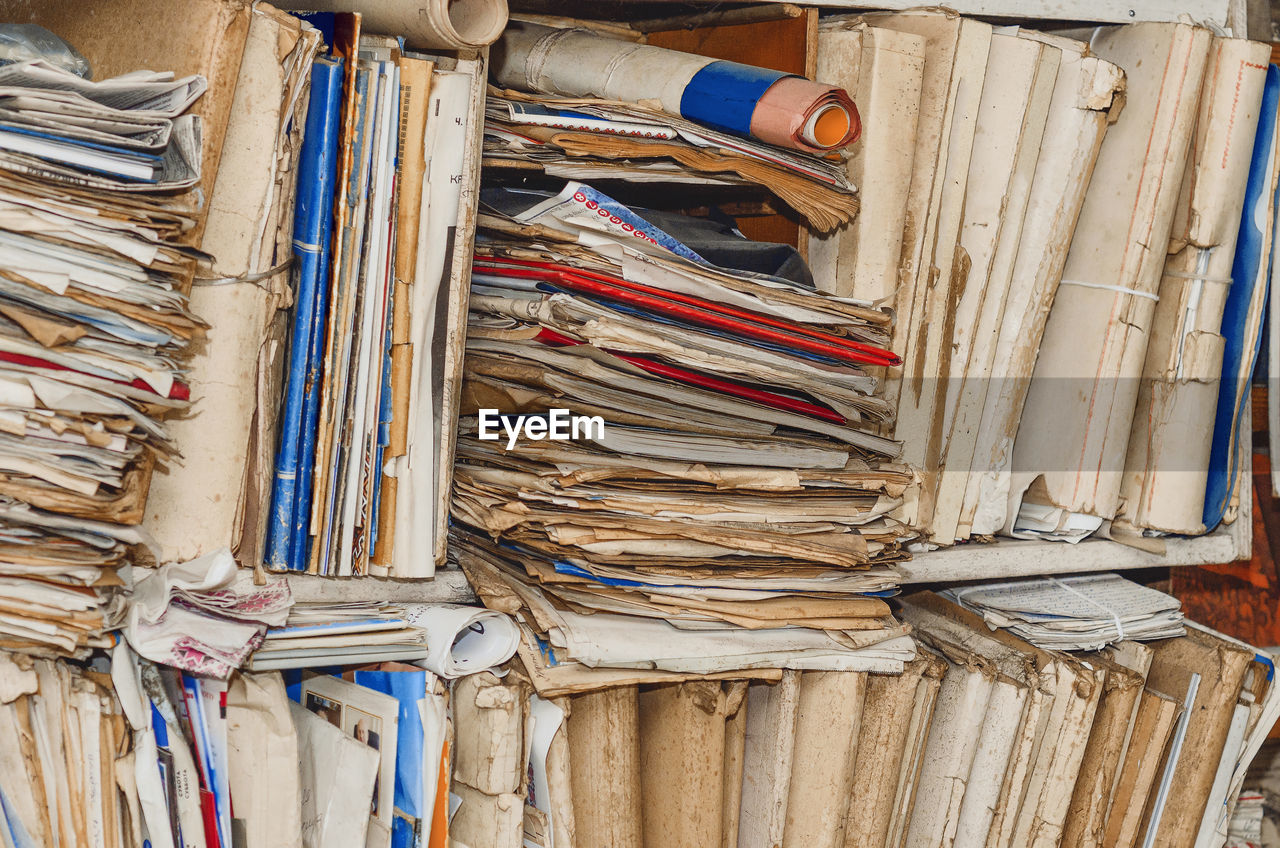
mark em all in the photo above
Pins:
pixel 1075 613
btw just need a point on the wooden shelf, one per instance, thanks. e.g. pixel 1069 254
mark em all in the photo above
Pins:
pixel 447 587
pixel 1009 558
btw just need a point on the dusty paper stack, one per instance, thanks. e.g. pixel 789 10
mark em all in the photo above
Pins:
pixel 449 640
pixel 978 149
pixel 382 249
pixel 984 739
pixel 63 746
pixel 710 495
pixel 212 494
pixel 1116 425
pixel 1081 613
pixel 1016 202
pixel 95 329
pixel 578 105
pixel 146 754
pixel 204 615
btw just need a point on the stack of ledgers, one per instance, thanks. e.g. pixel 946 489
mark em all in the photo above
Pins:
pixel 341 251
pixel 984 739
pixel 1078 613
pixel 94 333
pixel 1077 286
pixel 357 473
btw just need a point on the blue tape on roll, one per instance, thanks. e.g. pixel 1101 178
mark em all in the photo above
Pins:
pixel 723 95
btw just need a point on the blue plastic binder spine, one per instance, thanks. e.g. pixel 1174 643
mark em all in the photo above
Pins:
pixel 1250 270
pixel 313 223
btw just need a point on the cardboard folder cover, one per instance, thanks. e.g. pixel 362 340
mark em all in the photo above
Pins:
pixel 1084 100
pixel 1075 425
pixel 917 742
pixel 490 716
pixel 1112 724
pixel 605 757
pixel 262 755
pixel 1168 458
pixel 486 821
pixel 682 737
pixel 1221 665
pixel 1152 727
pixel 215 495
pixel 1071 690
pixel 884 744
pixel 882 70
pixel 826 746
pixel 956 52
pixel 1017 93
pixel 953 743
pixel 772 710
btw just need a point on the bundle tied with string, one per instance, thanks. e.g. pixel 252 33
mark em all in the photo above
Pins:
pixel 1080 613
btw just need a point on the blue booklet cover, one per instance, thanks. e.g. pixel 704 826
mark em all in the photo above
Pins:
pixel 407 687
pixel 1251 270
pixel 313 225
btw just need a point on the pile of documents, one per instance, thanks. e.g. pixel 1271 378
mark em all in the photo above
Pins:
pixel 358 761
pixel 61 737
pixel 1060 366
pixel 581 106
pixel 204 616
pixel 382 243
pixel 984 739
pixel 447 639
pixel 1081 613
pixel 94 332
pixel 727 504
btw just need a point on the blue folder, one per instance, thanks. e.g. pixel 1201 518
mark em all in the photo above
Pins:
pixel 313 225
pixel 407 687
pixel 1251 269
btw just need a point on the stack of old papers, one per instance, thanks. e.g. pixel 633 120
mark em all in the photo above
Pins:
pixel 94 328
pixel 983 739
pixel 580 105
pixel 61 741
pixel 448 640
pixel 728 504
pixel 1075 613
pixel 594 139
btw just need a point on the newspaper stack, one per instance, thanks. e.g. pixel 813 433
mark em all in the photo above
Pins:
pixel 446 639
pixel 730 510
pixel 1075 613
pixel 93 329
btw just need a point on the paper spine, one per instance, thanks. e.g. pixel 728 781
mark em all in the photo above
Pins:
pixel 313 224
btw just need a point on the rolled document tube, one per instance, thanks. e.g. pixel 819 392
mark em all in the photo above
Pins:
pixel 770 106
pixel 463 640
pixel 425 24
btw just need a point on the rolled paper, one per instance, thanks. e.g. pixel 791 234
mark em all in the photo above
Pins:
pixel 770 106
pixel 425 24
pixel 806 115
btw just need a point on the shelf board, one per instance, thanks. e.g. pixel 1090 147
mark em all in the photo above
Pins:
pixel 1220 12
pixel 1012 558
pixel 449 586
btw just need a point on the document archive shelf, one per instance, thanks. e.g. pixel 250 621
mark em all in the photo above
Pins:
pixel 267 581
